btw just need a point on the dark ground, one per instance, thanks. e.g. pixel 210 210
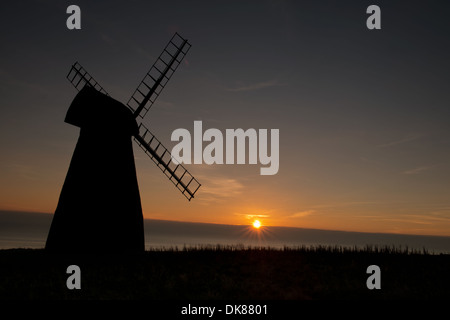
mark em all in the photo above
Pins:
pixel 226 274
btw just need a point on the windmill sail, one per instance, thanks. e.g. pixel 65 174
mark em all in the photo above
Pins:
pixel 79 77
pixel 176 173
pixel 158 76
pixel 141 101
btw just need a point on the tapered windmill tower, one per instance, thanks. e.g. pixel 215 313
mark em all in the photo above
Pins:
pixel 99 208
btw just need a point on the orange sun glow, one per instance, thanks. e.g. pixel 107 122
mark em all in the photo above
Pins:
pixel 256 224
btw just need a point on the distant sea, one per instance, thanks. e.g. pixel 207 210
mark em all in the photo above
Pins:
pixel 29 230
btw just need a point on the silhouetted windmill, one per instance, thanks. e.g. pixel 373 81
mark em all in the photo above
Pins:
pixel 99 208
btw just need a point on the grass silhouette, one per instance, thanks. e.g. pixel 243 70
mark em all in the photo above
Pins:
pixel 217 272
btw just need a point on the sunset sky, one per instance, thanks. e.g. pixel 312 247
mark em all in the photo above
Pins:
pixel 363 115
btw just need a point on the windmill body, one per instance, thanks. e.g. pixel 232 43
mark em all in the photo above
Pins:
pixel 99 208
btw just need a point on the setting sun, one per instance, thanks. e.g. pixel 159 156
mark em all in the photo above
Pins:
pixel 256 224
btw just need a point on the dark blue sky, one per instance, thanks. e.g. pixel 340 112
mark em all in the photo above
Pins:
pixel 363 115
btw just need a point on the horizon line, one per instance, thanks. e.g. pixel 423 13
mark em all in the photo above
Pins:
pixel 249 225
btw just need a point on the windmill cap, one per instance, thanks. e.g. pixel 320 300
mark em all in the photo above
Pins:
pixel 94 110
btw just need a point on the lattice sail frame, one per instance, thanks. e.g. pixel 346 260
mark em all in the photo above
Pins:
pixel 176 172
pixel 160 73
pixel 79 77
